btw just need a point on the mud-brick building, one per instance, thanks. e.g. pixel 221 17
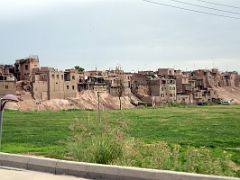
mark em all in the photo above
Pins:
pixel 7 70
pixel 216 78
pixel 119 84
pixel 71 80
pixel 202 78
pixel 50 83
pixel 182 83
pixel 25 67
pixel 39 84
pixel 93 73
pixel 208 95
pixel 7 80
pixel 208 78
pixel 56 88
pixel 154 89
pixel 184 98
pixel 166 72
pixel 96 84
pixel 230 79
pixel 114 82
pixel 163 89
pixel 140 85
pixel 7 85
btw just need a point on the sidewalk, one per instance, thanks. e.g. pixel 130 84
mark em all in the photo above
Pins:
pixel 19 174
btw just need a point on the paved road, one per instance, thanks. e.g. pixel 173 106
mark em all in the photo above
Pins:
pixel 19 174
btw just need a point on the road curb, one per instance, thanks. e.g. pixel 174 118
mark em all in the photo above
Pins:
pixel 97 171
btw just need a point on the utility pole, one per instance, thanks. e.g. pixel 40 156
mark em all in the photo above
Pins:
pixel 120 92
pixel 1 121
pixel 98 108
pixel 99 115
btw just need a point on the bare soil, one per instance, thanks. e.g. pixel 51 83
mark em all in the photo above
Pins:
pixel 85 100
pixel 229 93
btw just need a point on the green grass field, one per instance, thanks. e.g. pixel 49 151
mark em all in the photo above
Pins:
pixel 195 139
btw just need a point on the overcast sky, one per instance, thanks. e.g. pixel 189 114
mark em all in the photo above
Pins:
pixel 131 33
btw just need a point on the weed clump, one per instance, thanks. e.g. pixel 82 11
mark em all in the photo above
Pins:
pixel 104 144
pixel 95 143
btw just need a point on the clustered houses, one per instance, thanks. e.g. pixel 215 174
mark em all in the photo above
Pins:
pixel 170 85
pixel 44 83
pixel 115 82
pixel 154 88
pixel 151 87
pixel 198 86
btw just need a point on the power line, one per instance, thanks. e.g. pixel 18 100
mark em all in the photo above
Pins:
pixel 192 10
pixel 219 4
pixel 206 7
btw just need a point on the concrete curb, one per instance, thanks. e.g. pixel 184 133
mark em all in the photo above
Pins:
pixel 97 171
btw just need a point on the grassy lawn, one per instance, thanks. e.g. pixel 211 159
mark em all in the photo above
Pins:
pixel 205 135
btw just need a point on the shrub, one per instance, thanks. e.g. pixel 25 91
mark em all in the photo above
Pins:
pixel 94 143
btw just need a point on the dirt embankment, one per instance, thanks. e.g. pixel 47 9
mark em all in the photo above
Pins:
pixel 89 100
pixel 229 93
pixel 85 100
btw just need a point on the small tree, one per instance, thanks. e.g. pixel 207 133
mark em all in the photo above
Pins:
pixel 79 69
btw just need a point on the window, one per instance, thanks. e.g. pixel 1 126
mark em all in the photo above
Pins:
pixel 73 87
pixel 6 86
pixel 26 67
pixel 67 86
pixel 57 76
pixel 52 75
pixel 73 77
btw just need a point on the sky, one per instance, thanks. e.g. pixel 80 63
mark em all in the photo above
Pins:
pixel 133 34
